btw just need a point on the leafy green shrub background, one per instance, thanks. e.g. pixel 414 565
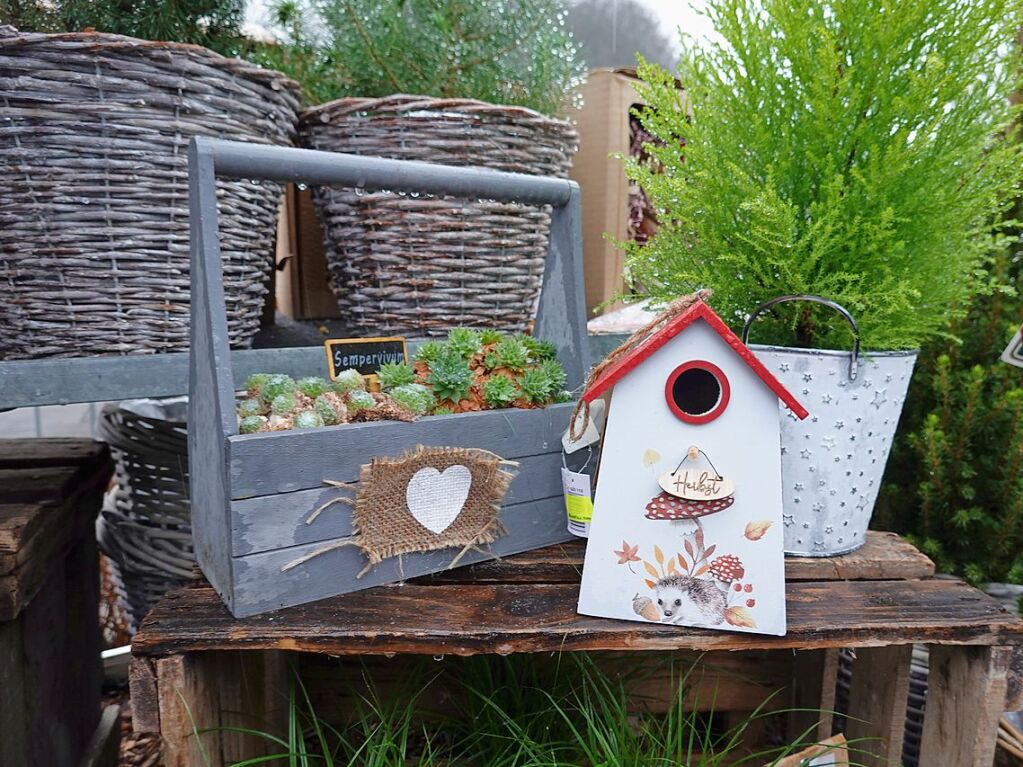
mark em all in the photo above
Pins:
pixel 508 52
pixel 848 148
pixel 954 481
pixel 213 23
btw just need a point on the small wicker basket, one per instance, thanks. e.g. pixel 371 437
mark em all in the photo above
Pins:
pixel 148 532
pixel 94 241
pixel 421 264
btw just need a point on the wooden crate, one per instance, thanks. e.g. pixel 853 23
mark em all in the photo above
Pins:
pixel 50 672
pixel 251 494
pixel 191 653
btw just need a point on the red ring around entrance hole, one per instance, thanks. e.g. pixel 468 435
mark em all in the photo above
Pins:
pixel 714 412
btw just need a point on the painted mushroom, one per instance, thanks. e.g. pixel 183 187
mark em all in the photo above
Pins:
pixel 667 506
pixel 727 568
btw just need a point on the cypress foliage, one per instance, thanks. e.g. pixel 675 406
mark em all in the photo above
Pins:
pixel 502 51
pixel 848 148
pixel 215 24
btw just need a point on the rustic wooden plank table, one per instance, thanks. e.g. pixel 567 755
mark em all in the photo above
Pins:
pixel 195 663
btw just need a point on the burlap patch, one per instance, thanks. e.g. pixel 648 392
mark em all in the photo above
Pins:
pixel 385 527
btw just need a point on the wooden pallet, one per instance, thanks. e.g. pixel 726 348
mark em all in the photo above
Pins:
pixel 881 599
pixel 50 673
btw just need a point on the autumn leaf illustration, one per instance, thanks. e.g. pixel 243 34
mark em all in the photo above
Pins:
pixel 682 562
pixel 649 583
pixel 689 546
pixel 627 554
pixel 658 555
pixel 672 570
pixel 652 570
pixel 740 616
pixel 701 571
pixel 755 530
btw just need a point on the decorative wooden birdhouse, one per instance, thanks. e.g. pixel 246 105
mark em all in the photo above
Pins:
pixel 687 520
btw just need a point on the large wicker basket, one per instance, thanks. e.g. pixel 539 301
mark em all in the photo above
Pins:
pixel 422 264
pixel 94 135
pixel 147 531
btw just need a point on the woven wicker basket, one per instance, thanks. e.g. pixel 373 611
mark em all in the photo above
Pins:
pixel 94 135
pixel 148 532
pixel 422 264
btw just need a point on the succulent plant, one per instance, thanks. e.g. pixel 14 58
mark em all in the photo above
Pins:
pixel 328 409
pixel 394 374
pixel 283 403
pixel 538 350
pixel 312 386
pixel 450 376
pixel 254 383
pixel 443 411
pixel 250 424
pixel 465 341
pixel 510 353
pixel 359 399
pixel 415 398
pixel 536 386
pixel 274 385
pixel 429 351
pixel 488 337
pixel 348 380
pixel 555 374
pixel 308 419
pixel 250 407
pixel 562 396
pixel 500 392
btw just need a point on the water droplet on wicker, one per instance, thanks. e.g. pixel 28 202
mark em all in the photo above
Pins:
pixel 359 191
pixel 303 187
pixel 438 658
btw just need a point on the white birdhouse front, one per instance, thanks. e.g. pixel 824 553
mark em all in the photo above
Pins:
pixel 687 520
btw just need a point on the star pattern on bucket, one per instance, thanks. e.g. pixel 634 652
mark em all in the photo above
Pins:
pixel 880 397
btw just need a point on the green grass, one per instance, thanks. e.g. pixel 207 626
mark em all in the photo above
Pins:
pixel 519 711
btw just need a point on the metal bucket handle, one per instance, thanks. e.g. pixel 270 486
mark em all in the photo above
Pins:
pixel 853 357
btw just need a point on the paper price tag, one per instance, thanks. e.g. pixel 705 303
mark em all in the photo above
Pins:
pixel 578 502
pixel 591 435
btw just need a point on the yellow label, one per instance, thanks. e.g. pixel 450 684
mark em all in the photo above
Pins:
pixel 580 508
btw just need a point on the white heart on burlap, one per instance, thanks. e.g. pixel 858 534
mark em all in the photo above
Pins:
pixel 435 498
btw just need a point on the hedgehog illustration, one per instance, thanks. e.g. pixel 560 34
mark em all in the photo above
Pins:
pixel 682 597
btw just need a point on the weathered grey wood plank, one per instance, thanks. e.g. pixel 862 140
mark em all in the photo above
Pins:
pixel 260 584
pixel 561 313
pixel 284 462
pixel 966 690
pixel 211 405
pixel 877 704
pixel 277 521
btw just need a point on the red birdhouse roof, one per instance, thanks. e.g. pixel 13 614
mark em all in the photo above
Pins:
pixel 698 311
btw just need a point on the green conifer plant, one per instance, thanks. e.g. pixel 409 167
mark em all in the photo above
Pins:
pixel 853 149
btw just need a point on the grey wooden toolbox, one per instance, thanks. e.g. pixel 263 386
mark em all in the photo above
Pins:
pixel 251 494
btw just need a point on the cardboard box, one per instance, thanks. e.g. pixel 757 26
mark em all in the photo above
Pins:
pixel 603 125
pixel 605 130
pixel 302 284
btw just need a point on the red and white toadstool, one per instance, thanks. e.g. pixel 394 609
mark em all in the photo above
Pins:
pixel 727 568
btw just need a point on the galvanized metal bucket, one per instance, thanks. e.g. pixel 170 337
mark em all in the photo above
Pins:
pixel 832 461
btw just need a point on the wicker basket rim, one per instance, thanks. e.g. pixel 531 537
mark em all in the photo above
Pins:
pixel 95 42
pixel 405 102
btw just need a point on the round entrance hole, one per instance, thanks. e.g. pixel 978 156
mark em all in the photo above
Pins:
pixel 697 391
